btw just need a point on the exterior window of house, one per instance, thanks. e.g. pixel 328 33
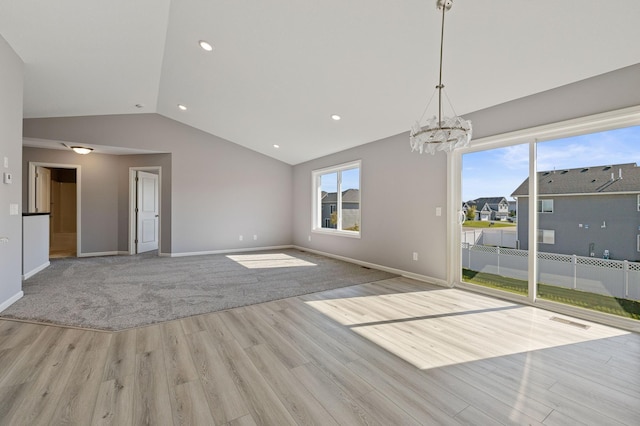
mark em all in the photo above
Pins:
pixel 546 236
pixel 639 204
pixel 545 206
pixel 336 203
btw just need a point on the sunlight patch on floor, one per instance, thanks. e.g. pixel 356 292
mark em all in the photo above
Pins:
pixel 431 329
pixel 271 260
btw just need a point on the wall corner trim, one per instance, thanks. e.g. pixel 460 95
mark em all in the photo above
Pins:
pixel 237 250
pixel 35 270
pixel 412 275
pixel 99 253
pixel 10 301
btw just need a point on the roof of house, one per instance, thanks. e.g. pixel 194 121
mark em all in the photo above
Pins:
pixel 348 196
pixel 586 180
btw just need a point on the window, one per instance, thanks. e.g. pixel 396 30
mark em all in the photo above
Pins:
pixel 546 236
pixel 336 200
pixel 639 205
pixel 545 206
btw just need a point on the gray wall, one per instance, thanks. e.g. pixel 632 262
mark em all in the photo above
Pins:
pixel 98 192
pixel 219 190
pixel 607 92
pixel 620 212
pixel 400 191
pixel 144 160
pixel 11 84
pixel 105 194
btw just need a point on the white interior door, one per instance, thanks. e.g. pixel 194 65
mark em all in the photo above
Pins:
pixel 43 190
pixel 147 212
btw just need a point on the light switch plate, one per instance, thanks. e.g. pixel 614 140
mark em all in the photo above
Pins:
pixel 14 209
pixel 6 162
pixel 7 177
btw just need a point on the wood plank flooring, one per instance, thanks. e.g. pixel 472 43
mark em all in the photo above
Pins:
pixel 394 352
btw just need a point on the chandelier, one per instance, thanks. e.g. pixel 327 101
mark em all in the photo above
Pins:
pixel 440 133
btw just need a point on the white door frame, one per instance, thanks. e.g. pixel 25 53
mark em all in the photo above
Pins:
pixel 132 206
pixel 32 194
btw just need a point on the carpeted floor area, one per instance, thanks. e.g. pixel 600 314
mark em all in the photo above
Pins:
pixel 120 292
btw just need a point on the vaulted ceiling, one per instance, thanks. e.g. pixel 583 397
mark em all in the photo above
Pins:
pixel 279 69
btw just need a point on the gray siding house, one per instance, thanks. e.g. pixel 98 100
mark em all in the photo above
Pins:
pixel 350 208
pixel 587 211
pixel 489 208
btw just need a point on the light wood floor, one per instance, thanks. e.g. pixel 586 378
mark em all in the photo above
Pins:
pixel 396 352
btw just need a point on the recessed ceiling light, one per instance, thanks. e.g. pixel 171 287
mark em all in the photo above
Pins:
pixel 335 117
pixel 182 107
pixel 205 45
pixel 275 145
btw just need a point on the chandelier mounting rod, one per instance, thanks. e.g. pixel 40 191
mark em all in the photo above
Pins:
pixel 441 5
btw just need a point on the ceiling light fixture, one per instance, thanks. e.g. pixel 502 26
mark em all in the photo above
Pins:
pixel 81 150
pixel 335 117
pixel 182 107
pixel 205 45
pixel 275 145
pixel 440 133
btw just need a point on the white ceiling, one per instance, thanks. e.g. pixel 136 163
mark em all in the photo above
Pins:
pixel 280 68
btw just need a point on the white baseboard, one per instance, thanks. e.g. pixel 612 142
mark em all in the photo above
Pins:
pixel 407 274
pixel 99 253
pixel 34 271
pixel 238 250
pixel 10 301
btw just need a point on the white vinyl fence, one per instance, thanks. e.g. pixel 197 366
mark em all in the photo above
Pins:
pixel 501 237
pixel 617 278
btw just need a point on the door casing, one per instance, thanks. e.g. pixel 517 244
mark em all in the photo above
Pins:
pixel 132 205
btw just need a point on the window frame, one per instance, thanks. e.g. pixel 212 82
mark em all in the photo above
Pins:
pixel 316 220
pixel 609 120
pixel 546 233
pixel 540 206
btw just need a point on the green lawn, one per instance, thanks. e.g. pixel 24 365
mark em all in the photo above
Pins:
pixel 611 305
pixel 487 224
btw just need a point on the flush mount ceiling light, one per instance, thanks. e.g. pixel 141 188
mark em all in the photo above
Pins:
pixel 440 133
pixel 81 150
pixel 335 117
pixel 205 45
pixel 275 145
pixel 182 107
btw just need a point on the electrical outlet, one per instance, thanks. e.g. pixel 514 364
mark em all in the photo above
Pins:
pixel 255 237
pixel 415 255
pixel 310 235
pixel 240 238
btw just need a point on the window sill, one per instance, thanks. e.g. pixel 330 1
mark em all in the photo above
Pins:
pixel 337 232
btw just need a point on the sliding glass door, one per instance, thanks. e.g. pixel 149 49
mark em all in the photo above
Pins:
pixel 490 249
pixel 588 211
pixel 555 220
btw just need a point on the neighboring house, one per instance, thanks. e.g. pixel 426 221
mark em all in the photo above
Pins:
pixel 587 211
pixel 350 208
pixel 489 208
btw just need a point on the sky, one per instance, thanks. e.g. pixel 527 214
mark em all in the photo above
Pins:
pixel 498 172
pixel 350 180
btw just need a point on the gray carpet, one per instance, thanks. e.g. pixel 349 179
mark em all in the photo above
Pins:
pixel 119 292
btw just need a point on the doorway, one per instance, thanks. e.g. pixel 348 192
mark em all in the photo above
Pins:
pixel 55 189
pixel 144 209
